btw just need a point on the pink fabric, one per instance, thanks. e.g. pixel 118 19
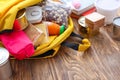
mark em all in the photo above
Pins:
pixel 18 44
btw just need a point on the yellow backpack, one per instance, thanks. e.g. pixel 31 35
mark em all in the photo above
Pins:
pixel 8 11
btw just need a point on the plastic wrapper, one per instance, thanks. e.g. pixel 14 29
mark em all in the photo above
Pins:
pixel 43 27
pixel 56 12
pixel 37 34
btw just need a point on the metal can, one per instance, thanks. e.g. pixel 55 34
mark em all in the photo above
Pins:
pixel 116 28
pixel 5 67
pixel 22 18
pixel 83 28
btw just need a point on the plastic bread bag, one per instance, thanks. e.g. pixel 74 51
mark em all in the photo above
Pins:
pixel 72 4
pixel 56 12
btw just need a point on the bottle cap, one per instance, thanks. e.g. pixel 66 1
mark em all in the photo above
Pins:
pixel 62 29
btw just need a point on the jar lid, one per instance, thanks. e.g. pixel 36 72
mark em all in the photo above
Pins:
pixel 4 55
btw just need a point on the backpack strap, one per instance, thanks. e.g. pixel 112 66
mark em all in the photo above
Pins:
pixel 76 35
pixel 82 46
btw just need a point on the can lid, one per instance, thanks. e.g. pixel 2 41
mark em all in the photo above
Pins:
pixel 81 21
pixel 34 14
pixel 4 55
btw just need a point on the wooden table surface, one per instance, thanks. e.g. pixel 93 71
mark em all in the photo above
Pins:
pixel 100 62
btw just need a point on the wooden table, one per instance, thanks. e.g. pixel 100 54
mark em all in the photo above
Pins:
pixel 100 62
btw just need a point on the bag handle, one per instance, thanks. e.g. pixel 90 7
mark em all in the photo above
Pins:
pixel 82 46
pixel 76 35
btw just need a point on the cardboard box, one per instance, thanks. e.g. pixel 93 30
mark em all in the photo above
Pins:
pixel 94 20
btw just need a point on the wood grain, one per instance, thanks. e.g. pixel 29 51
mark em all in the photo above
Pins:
pixel 100 62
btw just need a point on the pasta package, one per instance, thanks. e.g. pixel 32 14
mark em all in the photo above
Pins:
pixel 57 13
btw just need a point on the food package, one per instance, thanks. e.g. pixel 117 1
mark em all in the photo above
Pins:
pixel 35 34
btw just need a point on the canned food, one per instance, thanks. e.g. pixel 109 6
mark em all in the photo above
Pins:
pixel 5 68
pixel 86 30
pixel 116 28
pixel 22 19
pixel 34 14
pixel 83 27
